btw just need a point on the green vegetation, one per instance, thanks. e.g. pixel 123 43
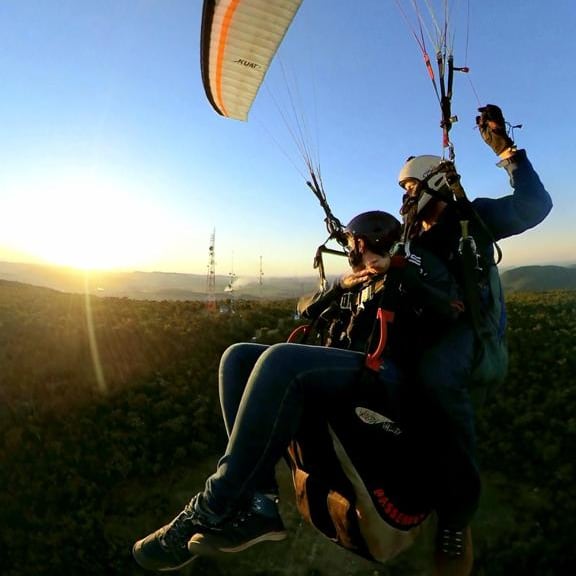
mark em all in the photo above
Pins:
pixel 539 278
pixel 528 435
pixel 92 460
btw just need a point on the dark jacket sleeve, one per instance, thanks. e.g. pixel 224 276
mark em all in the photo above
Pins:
pixel 313 305
pixel 430 286
pixel 525 208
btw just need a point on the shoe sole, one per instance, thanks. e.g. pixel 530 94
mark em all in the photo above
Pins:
pixel 201 548
pixel 135 551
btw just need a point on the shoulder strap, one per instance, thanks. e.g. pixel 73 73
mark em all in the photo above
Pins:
pixel 387 305
pixel 469 259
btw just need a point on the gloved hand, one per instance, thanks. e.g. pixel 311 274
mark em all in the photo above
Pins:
pixel 492 127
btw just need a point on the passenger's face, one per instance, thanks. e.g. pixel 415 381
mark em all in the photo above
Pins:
pixel 355 251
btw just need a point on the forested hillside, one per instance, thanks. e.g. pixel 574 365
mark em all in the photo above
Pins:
pixel 539 278
pixel 109 422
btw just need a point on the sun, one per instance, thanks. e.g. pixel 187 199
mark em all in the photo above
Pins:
pixel 87 222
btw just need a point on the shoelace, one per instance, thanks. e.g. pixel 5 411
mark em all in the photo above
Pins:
pixel 177 533
pixel 451 542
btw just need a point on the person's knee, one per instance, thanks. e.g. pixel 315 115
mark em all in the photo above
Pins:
pixel 241 352
pixel 229 358
pixel 277 356
pixel 229 352
pixel 241 349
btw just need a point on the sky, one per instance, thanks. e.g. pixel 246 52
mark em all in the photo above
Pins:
pixel 112 157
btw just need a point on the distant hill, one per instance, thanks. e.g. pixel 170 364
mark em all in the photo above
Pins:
pixel 180 286
pixel 154 285
pixel 539 278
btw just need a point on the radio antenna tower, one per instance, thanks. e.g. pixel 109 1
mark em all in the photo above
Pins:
pixel 231 288
pixel 260 279
pixel 211 277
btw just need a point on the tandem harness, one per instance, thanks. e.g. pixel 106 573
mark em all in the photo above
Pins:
pixel 354 301
pixel 359 477
pixel 384 290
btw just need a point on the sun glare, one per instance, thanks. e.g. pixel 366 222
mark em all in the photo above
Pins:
pixel 87 223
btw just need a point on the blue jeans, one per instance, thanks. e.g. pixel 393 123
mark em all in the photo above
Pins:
pixel 236 366
pixel 444 374
pixel 263 391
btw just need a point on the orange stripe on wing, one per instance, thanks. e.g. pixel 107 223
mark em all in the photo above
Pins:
pixel 227 20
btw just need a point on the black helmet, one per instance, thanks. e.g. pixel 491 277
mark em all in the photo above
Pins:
pixel 379 229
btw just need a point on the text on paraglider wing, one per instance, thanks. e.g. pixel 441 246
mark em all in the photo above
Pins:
pixel 247 63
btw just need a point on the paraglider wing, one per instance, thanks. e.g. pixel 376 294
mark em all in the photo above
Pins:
pixel 239 39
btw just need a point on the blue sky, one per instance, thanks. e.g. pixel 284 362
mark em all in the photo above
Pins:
pixel 112 156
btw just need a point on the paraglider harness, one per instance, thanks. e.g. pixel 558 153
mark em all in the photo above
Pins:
pixel 482 291
pixel 336 324
pixel 329 326
pixel 359 476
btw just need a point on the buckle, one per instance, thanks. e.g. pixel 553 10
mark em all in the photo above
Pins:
pixel 346 301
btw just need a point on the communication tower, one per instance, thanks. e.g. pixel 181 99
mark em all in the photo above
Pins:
pixel 231 288
pixel 211 277
pixel 260 279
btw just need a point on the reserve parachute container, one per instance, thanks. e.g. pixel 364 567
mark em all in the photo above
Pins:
pixel 238 41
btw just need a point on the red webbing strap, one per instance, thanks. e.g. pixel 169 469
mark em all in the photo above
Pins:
pixel 374 360
pixel 384 317
pixel 304 330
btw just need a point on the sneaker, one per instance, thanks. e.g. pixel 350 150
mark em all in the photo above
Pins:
pixel 166 549
pixel 260 522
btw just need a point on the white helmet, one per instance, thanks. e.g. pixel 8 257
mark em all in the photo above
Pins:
pixel 419 167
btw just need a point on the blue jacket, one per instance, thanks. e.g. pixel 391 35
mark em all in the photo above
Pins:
pixel 526 207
